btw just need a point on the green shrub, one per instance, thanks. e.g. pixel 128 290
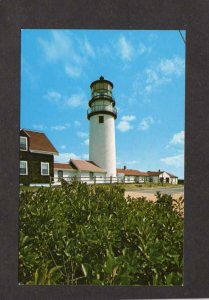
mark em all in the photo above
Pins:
pixel 81 234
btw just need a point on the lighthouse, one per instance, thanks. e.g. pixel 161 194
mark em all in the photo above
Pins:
pixel 101 115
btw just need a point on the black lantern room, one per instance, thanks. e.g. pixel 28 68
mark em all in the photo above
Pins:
pixel 102 101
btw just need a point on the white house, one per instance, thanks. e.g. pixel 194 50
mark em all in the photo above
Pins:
pixel 89 172
pixel 161 176
pixel 82 170
pixel 168 178
pixel 131 176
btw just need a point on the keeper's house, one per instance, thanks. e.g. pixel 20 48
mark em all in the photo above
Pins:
pixel 36 158
pixel 83 170
pixel 162 176
pixel 131 176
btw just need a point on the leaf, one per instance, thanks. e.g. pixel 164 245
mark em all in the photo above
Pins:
pixel 54 269
pixel 84 269
pixel 169 278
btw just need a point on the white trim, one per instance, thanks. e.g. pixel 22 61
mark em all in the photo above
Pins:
pixel 40 184
pixel 42 168
pixel 43 152
pixel 22 129
pixel 26 167
pixel 85 171
pixel 26 143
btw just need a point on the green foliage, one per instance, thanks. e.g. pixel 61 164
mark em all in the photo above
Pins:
pixel 81 234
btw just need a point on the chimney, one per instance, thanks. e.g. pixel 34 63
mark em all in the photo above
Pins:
pixel 124 167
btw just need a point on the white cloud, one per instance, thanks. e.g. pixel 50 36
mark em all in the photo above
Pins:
pixel 59 47
pixel 154 79
pixel 60 127
pixel 86 142
pixel 75 100
pixel 63 147
pixel 39 127
pixel 88 49
pixel 82 134
pixel 132 162
pixel 66 156
pixel 53 96
pixel 176 160
pixel 73 71
pixel 155 76
pixel 144 49
pixel 77 123
pixel 125 48
pixel 32 76
pixel 172 66
pixel 124 125
pixel 146 123
pixel 128 118
pixel 72 52
pixel 148 89
pixel 85 156
pixel 178 138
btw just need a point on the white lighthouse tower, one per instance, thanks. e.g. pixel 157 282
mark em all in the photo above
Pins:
pixel 101 115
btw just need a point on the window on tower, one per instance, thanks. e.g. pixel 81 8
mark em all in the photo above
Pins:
pixel 101 119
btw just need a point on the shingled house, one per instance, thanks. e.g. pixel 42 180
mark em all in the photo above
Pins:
pixel 36 158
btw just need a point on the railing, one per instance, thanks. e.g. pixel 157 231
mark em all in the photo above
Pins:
pixel 102 108
pixel 96 180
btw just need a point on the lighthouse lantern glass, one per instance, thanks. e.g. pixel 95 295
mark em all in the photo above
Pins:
pixel 101 89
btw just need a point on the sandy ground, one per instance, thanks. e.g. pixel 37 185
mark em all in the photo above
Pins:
pixel 149 196
pixel 179 205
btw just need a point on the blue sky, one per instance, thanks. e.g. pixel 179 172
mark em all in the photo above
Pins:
pixel 147 68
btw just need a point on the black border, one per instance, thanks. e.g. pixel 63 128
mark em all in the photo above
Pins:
pixel 190 15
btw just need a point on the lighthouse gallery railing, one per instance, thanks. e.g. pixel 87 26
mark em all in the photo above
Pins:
pixel 107 108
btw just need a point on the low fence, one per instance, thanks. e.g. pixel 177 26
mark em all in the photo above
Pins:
pixel 95 179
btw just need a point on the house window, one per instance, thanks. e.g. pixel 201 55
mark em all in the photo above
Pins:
pixel 101 119
pixel 44 168
pixel 91 175
pixel 23 167
pixel 60 174
pixel 23 143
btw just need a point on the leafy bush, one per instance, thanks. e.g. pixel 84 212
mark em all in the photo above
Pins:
pixel 81 234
